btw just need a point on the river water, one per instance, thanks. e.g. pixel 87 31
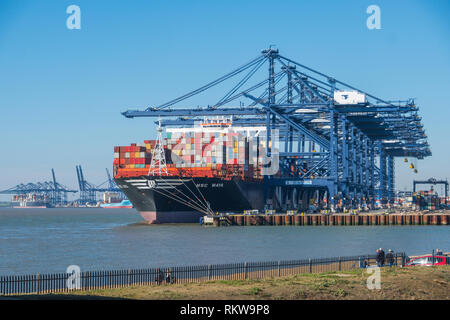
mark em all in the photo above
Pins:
pixel 49 240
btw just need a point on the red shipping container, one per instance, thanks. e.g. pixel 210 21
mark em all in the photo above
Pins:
pixel 116 149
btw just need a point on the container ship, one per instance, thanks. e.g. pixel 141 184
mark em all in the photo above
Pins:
pixel 192 172
pixel 30 200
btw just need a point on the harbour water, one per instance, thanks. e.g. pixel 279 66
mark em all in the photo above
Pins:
pixel 49 240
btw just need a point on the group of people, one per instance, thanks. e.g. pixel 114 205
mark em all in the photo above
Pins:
pixel 164 278
pixel 382 258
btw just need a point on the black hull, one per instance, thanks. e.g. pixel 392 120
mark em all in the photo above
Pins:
pixel 185 200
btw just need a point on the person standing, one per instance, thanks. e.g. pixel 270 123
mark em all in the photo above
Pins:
pixel 390 258
pixel 378 258
pixel 383 257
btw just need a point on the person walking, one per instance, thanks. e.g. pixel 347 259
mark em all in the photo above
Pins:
pixel 390 258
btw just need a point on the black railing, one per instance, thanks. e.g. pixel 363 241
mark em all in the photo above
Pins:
pixel 88 280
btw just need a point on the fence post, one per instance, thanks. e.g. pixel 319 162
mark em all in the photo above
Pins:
pixel 128 278
pixel 340 267
pixel 310 265
pixel 279 271
pixel 209 272
pixel 245 270
pixel 38 284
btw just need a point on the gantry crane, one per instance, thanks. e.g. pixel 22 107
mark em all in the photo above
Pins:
pixel 88 191
pixel 335 140
pixel 56 192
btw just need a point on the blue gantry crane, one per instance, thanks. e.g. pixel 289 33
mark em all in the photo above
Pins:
pixel 56 192
pixel 336 141
pixel 111 186
pixel 88 191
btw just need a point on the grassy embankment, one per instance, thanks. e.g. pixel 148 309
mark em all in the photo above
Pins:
pixel 396 283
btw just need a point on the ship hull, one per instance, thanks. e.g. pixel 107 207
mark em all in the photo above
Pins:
pixel 30 204
pixel 184 200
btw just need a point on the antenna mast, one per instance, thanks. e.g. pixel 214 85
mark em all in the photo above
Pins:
pixel 158 163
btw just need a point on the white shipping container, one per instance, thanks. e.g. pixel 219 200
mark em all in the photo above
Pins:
pixel 349 97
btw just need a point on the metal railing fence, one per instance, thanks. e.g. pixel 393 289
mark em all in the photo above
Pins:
pixel 89 280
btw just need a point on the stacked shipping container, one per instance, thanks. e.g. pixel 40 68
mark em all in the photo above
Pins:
pixel 132 157
pixel 427 200
pixel 205 153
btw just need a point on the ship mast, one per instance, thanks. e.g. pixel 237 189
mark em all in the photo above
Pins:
pixel 158 164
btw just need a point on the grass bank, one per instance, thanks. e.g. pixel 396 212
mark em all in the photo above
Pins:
pixel 396 283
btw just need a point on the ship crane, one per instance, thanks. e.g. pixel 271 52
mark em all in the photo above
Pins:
pixel 335 139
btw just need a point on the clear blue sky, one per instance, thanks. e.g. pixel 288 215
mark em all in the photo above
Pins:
pixel 62 91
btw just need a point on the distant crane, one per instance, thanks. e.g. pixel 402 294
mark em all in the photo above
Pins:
pixel 432 181
pixel 88 191
pixel 112 187
pixel 54 190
